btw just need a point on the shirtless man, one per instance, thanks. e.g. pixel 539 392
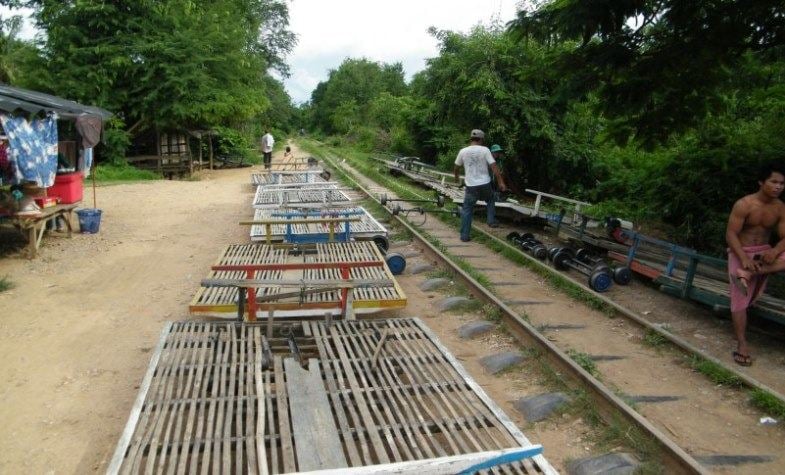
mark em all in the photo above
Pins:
pixel 750 257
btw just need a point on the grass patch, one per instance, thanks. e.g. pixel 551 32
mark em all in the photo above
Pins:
pixel 654 339
pixel 5 284
pixel 440 274
pixel 715 372
pixel 766 402
pixel 584 361
pixel 492 312
pixel 109 173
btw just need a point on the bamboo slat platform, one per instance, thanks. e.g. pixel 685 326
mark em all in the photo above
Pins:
pixel 367 228
pixel 300 197
pixel 287 177
pixel 437 181
pixel 224 397
pixel 281 264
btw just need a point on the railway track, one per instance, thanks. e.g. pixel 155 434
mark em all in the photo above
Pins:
pixel 682 451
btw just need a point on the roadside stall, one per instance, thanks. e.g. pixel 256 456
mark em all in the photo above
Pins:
pixel 41 178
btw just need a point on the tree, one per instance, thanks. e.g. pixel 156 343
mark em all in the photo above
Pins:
pixel 166 63
pixel 657 65
pixel 357 81
pixel 486 80
pixel 18 58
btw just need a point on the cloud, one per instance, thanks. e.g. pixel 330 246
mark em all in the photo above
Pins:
pixel 385 31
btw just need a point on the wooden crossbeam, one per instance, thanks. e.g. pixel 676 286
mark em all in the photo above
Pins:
pixel 302 283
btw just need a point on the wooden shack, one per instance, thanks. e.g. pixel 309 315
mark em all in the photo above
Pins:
pixel 168 152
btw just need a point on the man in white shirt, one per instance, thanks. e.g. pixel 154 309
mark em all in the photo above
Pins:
pixel 267 148
pixel 475 160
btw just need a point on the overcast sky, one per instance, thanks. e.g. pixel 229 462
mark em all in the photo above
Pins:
pixel 381 30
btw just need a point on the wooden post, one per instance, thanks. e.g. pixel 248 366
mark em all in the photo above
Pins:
pixel 537 205
pixel 158 151
pixel 210 148
pixel 200 150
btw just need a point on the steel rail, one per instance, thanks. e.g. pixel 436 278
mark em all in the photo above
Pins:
pixel 681 344
pixel 608 404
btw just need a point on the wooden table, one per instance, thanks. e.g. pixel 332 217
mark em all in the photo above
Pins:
pixel 35 224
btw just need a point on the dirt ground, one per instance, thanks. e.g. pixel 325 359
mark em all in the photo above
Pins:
pixel 79 324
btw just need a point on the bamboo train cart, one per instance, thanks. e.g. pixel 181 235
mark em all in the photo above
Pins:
pixel 287 177
pixel 678 270
pixel 308 226
pixel 316 195
pixel 546 206
pixel 302 280
pixel 294 164
pixel 349 397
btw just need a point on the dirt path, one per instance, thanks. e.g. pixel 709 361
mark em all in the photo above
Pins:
pixel 79 324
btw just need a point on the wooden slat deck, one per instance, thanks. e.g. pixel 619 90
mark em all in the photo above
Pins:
pixel 367 228
pixel 302 197
pixel 292 178
pixel 211 402
pixel 222 301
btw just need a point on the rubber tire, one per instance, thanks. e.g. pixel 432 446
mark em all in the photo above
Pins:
pixel 583 254
pixel 382 243
pixel 600 282
pixel 396 263
pixel 560 260
pixel 513 235
pixel 622 275
pixel 602 267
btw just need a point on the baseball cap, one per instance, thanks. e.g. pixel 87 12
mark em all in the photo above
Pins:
pixel 477 134
pixel 496 148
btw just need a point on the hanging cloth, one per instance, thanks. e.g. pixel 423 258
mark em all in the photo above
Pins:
pixel 32 148
pixel 89 127
pixel 87 160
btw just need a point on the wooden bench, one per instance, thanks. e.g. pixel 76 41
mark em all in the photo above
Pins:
pixel 34 224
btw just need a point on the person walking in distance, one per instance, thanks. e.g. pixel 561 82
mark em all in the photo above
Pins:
pixel 267 148
pixel 497 152
pixel 476 159
pixel 750 257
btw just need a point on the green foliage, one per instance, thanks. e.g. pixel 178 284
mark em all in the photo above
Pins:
pixel 356 93
pixel 584 361
pixel 658 65
pixel 115 141
pixel 654 339
pixel 165 64
pixel 767 403
pixel 17 58
pixel 233 143
pixel 122 172
pixel 715 372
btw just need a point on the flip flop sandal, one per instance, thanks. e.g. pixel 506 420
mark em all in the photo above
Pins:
pixel 741 359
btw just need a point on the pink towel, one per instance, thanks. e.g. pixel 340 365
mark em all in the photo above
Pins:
pixel 756 285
